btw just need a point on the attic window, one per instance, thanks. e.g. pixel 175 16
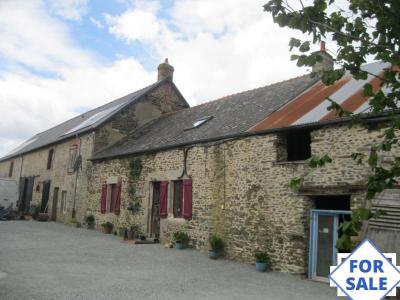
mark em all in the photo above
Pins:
pixel 294 146
pixel 199 122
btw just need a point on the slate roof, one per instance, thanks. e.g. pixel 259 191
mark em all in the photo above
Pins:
pixel 231 115
pixel 80 124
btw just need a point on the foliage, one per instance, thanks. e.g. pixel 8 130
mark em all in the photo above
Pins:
pixel 362 30
pixel 261 257
pixel 108 225
pixel 216 243
pixel 89 219
pixel 135 169
pixel 135 228
pixel 181 237
pixel 35 210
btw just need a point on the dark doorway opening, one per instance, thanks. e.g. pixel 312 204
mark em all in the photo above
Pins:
pixel 25 193
pixel 155 211
pixel 45 196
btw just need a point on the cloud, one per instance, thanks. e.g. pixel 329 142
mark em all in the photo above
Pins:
pixel 96 22
pixel 32 38
pixel 216 48
pixel 69 9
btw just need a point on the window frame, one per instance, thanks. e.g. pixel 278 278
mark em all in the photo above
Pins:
pixel 111 197
pixel 11 169
pixel 50 159
pixel 72 158
pixel 63 204
pixel 177 214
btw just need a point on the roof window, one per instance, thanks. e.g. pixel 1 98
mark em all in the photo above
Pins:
pixel 199 122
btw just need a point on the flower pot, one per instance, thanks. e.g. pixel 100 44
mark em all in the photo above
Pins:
pixel 121 231
pixel 43 217
pixel 107 230
pixel 90 226
pixel 261 266
pixel 131 235
pixel 179 246
pixel 213 254
pixel 27 217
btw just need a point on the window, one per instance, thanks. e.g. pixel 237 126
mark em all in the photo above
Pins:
pixel 178 199
pixel 63 204
pixel 73 153
pixel 10 171
pixel 294 146
pixel 182 199
pixel 111 198
pixel 50 159
pixel 199 122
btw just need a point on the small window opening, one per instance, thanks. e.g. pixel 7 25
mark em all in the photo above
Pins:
pixel 199 122
pixel 294 146
pixel 73 153
pixel 11 170
pixel 50 159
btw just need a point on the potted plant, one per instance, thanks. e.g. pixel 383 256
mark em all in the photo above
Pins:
pixel 134 231
pixel 89 221
pixel 262 261
pixel 217 246
pixel 107 227
pixel 34 210
pixel 181 239
pixel 121 231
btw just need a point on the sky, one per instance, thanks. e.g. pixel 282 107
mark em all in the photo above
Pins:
pixel 60 58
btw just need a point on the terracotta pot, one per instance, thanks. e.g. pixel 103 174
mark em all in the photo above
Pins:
pixel 43 217
pixel 107 230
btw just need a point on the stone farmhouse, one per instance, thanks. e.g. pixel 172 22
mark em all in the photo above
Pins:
pixel 221 167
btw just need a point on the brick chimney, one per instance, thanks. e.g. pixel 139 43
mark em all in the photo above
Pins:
pixel 327 61
pixel 165 71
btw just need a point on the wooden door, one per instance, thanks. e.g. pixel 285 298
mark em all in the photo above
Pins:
pixel 45 196
pixel 55 203
pixel 155 211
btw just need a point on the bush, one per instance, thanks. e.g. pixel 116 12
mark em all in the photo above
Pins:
pixel 261 257
pixel 89 219
pixel 216 243
pixel 181 237
pixel 108 225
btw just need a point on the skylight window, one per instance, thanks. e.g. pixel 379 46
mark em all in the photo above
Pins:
pixel 93 119
pixel 199 122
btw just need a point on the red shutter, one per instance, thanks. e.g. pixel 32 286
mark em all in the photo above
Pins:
pixel 104 198
pixel 117 207
pixel 187 199
pixel 164 199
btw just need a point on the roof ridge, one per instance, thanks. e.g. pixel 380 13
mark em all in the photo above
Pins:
pixel 250 90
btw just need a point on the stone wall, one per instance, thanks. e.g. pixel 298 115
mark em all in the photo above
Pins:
pixel 35 164
pixel 240 192
pixel 164 99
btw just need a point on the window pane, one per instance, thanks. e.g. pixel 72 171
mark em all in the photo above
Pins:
pixel 178 195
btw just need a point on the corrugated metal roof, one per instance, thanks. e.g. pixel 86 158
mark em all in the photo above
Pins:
pixel 312 106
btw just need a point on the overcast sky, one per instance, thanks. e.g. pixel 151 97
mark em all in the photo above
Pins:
pixel 60 58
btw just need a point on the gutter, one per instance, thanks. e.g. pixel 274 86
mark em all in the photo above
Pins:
pixel 367 118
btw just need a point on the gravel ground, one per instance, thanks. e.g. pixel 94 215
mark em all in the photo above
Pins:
pixel 54 261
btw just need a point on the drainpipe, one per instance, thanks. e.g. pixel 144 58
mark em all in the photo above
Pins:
pixel 76 177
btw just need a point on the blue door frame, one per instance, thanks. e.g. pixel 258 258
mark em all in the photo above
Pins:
pixel 312 260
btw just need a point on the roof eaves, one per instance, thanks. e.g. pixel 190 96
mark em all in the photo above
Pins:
pixel 366 118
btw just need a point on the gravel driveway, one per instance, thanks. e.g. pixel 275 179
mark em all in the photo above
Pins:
pixel 55 261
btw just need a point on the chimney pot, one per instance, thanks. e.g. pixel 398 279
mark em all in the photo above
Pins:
pixel 326 64
pixel 165 71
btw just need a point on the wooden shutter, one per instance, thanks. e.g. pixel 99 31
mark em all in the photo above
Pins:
pixel 104 198
pixel 187 199
pixel 117 207
pixel 164 199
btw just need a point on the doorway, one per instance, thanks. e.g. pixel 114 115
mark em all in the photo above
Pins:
pixel 155 211
pixel 25 193
pixel 45 196
pixel 324 233
pixel 55 203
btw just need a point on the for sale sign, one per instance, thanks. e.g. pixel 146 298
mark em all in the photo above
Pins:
pixel 366 273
